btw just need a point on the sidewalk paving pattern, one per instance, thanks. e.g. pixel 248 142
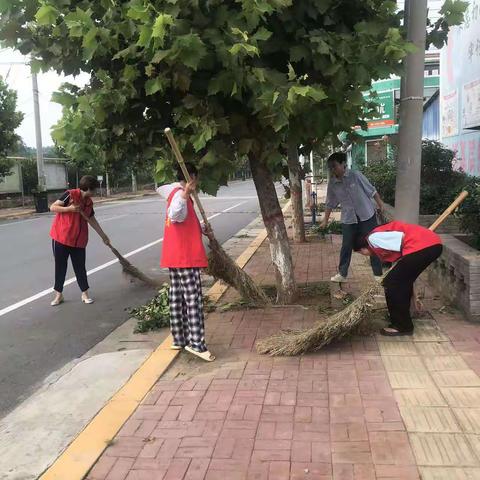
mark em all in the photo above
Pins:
pixel 367 408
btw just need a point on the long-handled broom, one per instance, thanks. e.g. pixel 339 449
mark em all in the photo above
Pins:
pixel 220 265
pixel 339 325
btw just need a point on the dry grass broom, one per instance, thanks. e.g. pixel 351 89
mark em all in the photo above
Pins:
pixel 127 267
pixel 343 323
pixel 220 265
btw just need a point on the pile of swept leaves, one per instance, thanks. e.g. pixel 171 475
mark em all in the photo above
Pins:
pixel 156 313
pixel 333 227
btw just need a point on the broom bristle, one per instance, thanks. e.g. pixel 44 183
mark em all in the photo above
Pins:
pixel 290 343
pixel 222 267
pixel 133 271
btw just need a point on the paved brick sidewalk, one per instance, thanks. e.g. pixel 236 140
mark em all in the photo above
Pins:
pixel 366 408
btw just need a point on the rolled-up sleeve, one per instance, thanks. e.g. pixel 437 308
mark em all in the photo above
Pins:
pixel 177 211
pixel 367 187
pixel 331 201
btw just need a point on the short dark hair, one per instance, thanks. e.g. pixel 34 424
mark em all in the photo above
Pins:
pixel 191 169
pixel 359 243
pixel 339 157
pixel 88 182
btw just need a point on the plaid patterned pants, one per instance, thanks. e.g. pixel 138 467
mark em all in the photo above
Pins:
pixel 186 308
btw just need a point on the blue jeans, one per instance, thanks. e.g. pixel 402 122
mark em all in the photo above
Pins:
pixel 350 232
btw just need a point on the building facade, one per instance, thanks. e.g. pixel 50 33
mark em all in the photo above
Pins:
pixel 378 141
pixel 460 91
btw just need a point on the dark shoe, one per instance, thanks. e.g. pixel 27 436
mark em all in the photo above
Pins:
pixel 394 332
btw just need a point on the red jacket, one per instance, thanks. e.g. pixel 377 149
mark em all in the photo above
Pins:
pixel 70 228
pixel 182 241
pixel 415 238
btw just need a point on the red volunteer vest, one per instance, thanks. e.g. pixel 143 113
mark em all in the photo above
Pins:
pixel 70 228
pixel 182 242
pixel 415 238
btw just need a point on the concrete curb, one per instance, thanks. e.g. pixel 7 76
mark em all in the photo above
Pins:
pixel 80 456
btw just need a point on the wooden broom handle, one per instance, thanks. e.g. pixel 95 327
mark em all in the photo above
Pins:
pixel 181 162
pixel 449 210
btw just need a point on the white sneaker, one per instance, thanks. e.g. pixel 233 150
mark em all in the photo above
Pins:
pixel 338 278
pixel 378 278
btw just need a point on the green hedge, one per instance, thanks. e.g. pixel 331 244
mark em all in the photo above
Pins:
pixel 440 184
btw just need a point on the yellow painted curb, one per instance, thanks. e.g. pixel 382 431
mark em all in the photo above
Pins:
pixel 79 457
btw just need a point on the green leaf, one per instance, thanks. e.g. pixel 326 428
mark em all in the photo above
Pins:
pixel 138 11
pixel 90 43
pixel 237 31
pixel 78 22
pixel 130 73
pixel 250 50
pixel 36 65
pixel 316 94
pixel 47 15
pixel 189 49
pixel 58 133
pixel 154 85
pixel 159 56
pixel 262 34
pixel 126 52
pixel 64 99
pixel 200 140
pixel 160 27
pixel 291 73
pixel 145 36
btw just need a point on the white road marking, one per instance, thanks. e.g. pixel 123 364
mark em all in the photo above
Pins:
pixel 47 291
pixel 115 217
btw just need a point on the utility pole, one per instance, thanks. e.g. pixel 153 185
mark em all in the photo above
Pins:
pixel 407 189
pixel 406 8
pixel 42 181
pixel 134 182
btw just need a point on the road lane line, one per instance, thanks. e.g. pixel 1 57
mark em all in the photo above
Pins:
pixel 71 280
pixel 115 217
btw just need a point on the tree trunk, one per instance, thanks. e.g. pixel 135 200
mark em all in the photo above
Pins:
pixel 277 233
pixel 294 174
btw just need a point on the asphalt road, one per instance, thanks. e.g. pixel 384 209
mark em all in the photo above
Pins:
pixel 37 339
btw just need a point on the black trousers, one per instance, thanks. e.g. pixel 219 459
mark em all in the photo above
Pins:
pixel 399 285
pixel 61 253
pixel 350 232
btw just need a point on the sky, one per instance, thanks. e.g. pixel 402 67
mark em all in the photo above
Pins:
pixel 13 68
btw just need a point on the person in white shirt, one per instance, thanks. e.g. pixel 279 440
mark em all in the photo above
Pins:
pixel 184 255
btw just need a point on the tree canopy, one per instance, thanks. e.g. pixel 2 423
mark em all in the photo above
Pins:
pixel 10 120
pixel 232 78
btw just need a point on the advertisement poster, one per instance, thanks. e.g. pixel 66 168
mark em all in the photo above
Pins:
pixel 471 105
pixel 449 121
pixel 385 111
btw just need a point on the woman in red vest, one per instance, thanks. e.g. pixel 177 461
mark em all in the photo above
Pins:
pixel 413 249
pixel 184 255
pixel 69 234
